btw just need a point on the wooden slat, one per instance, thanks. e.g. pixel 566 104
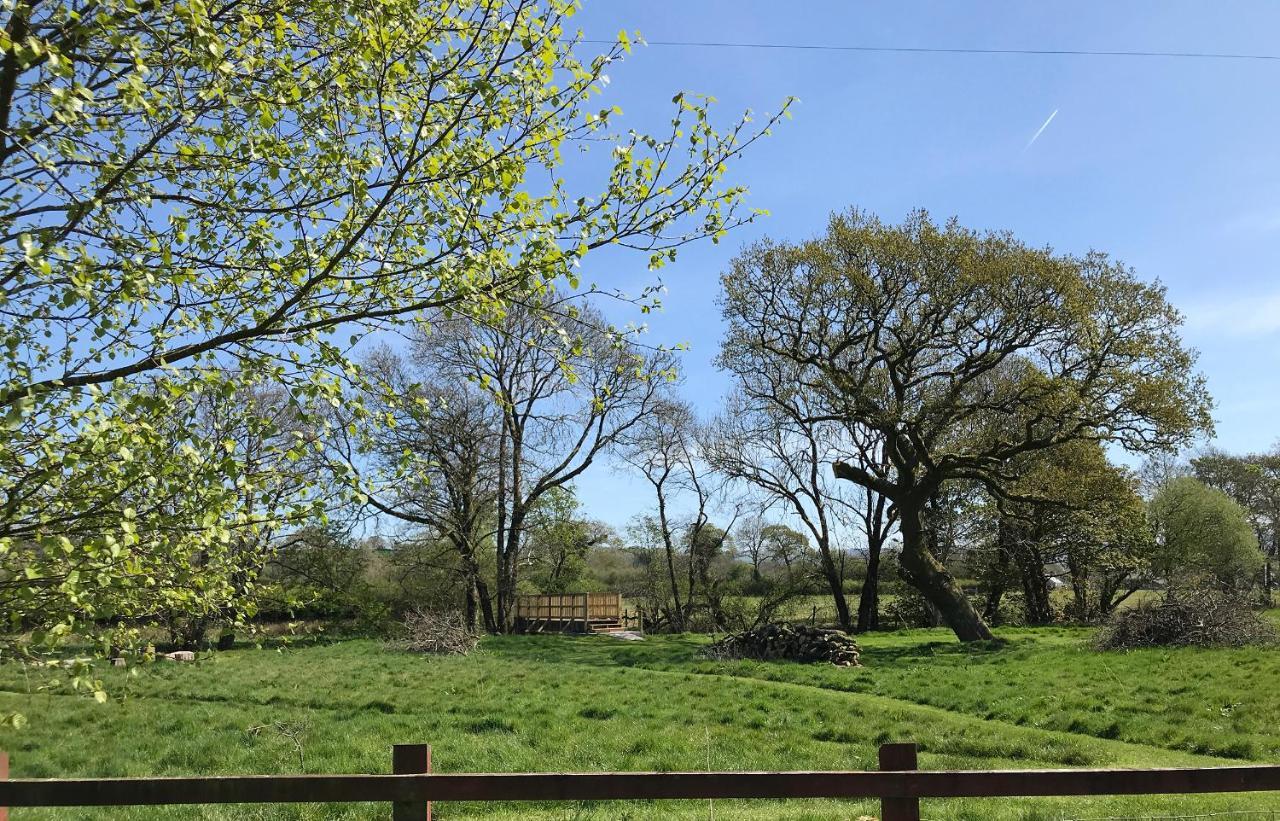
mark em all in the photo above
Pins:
pixel 600 786
pixel 570 606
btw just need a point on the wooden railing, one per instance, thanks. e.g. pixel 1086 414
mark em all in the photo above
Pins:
pixel 898 785
pixel 569 607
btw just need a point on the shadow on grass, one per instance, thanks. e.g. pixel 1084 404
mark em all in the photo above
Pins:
pixel 874 653
pixel 684 652
pixel 659 652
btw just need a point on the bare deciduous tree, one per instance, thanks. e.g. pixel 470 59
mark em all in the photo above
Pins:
pixel 432 449
pixel 567 387
pixel 663 448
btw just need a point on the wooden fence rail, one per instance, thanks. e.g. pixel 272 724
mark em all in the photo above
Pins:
pixel 897 784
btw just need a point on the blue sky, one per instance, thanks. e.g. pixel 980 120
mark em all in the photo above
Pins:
pixel 1169 165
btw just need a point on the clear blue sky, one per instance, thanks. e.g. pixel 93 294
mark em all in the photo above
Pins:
pixel 1171 165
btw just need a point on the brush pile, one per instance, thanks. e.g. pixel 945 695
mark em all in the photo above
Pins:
pixel 1188 619
pixel 440 633
pixel 788 642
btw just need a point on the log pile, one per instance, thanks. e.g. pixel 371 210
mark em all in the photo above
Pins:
pixel 790 642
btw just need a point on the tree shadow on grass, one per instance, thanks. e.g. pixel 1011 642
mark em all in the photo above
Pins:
pixel 980 652
pixel 654 651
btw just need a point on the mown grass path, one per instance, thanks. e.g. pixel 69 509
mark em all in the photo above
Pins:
pixel 550 703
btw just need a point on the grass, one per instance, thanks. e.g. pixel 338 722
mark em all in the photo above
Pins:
pixel 548 703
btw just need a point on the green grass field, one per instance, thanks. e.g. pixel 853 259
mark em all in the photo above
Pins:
pixel 550 703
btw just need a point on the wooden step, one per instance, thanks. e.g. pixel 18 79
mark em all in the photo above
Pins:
pixel 606 628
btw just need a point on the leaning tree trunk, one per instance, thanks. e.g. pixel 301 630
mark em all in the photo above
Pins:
pixel 836 585
pixel 926 574
pixel 485 601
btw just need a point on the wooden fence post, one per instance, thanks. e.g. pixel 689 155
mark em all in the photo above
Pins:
pixel 4 776
pixel 405 759
pixel 898 757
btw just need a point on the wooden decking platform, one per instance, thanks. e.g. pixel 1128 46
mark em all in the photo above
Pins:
pixel 571 613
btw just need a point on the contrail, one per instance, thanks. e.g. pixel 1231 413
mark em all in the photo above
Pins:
pixel 1041 131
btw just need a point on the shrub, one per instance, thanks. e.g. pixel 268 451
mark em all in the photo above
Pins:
pixel 1200 618
pixel 441 632
pixel 1203 537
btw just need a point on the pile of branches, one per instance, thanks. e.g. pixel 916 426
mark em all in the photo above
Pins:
pixel 790 642
pixel 1200 618
pixel 442 632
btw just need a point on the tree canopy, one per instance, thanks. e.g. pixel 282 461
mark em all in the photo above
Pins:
pixel 963 350
pixel 1203 537
pixel 199 197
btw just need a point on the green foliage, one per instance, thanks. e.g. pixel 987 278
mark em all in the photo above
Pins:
pixel 559 540
pixel 975 345
pixel 1203 537
pixel 784 545
pixel 1253 481
pixel 203 197
pixel 1080 512
pixel 320 572
pixel 961 351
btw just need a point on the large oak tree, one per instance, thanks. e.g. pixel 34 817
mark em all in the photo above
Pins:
pixel 964 351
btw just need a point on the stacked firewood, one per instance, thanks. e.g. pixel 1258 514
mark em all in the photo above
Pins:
pixel 790 642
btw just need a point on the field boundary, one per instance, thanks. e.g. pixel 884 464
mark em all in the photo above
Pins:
pixel 898 784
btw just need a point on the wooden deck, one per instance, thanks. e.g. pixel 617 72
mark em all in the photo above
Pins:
pixel 571 613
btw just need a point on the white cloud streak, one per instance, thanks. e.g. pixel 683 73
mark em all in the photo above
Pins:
pixel 1036 136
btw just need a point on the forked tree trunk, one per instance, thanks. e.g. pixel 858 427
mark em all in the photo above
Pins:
pixel 926 574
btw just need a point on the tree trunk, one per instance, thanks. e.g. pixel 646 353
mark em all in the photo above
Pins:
pixel 507 572
pixel 1035 584
pixel 187 633
pixel 501 534
pixel 836 585
pixel 677 612
pixel 997 580
pixel 1079 586
pixel 469 602
pixel 926 574
pixel 869 599
pixel 998 573
pixel 486 606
